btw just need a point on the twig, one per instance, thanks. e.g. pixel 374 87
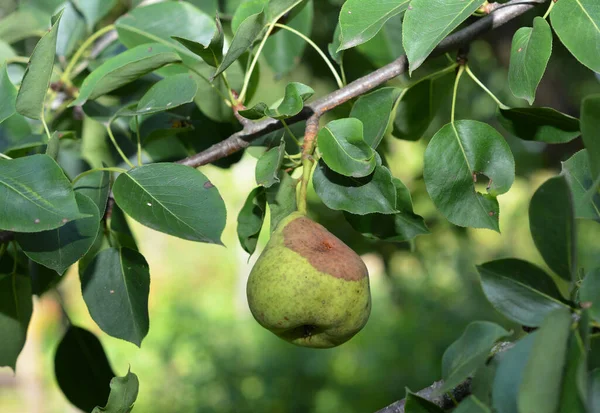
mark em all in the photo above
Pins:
pixel 430 393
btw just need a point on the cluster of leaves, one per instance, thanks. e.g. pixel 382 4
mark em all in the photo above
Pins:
pixel 172 84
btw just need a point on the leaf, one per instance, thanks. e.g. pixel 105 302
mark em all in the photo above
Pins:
pixel 120 233
pixel 520 291
pixel 8 94
pixel 16 307
pixel 123 69
pixel 590 131
pixel 242 40
pixel 416 404
pixel 539 124
pixel 82 370
pixel 174 199
pixel 472 405
pixel 123 393
pixel 71 31
pixel 30 99
pixel 250 219
pixel 96 186
pixel 577 171
pixel 469 352
pixel 428 22
pixel 59 248
pixel 293 101
pixel 344 150
pixel 400 227
pixel 281 198
pixel 376 110
pixel 540 389
pixel 386 45
pixel 590 292
pixel 456 154
pixel 529 55
pixel 577 25
pixel 22 23
pixel 267 167
pixel 595 391
pixel 35 195
pixel 115 287
pixel 277 8
pixel 332 47
pixel 42 278
pixel 212 54
pixel 95 10
pixel 375 193
pixel 361 20
pixel 552 225
pixel 574 387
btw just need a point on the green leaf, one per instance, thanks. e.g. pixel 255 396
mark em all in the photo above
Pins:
pixel 30 99
pixel 174 199
pixel 115 287
pixel 71 31
pixel 22 23
pixel 123 69
pixel 574 389
pixel 376 110
pixel 590 131
pixel 42 278
pixel 595 391
pixel 416 404
pixel 293 101
pixel 96 186
pixel 53 145
pixel 400 227
pixel 577 25
pixel 82 370
pixel 472 405
pixel 590 292
pixel 212 53
pixel 455 156
pixel 8 94
pixel 375 193
pixel 123 393
pixel 332 47
pixel 16 307
pixel 361 20
pixel 267 167
pixel 35 195
pixel 95 10
pixel 529 55
pixel 160 22
pixel 469 352
pixel 59 248
pixel 428 22
pixel 344 149
pixel 242 40
pixel 120 233
pixel 277 8
pixel 250 219
pixel 539 124
pixel 552 225
pixel 246 9
pixel 540 389
pixel 520 291
pixel 386 45
pixel 578 173
pixel 281 198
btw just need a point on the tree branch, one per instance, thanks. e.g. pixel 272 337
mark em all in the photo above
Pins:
pixel 499 15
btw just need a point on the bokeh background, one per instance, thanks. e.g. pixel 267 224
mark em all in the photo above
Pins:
pixel 205 352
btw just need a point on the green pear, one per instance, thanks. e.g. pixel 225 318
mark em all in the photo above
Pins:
pixel 308 287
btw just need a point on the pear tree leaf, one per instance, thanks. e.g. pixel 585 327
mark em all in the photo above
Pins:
pixel 376 112
pixel 400 227
pixel 574 387
pixel 125 68
pixel 43 279
pixel 333 47
pixel 95 10
pixel 258 111
pixel 530 51
pixel 427 22
pixel 374 193
pixel 268 165
pixel 174 199
pixel 120 232
pixel 281 198
pixel 8 92
pixel 344 149
pixel 82 370
pixel 386 45
pixel 590 292
pixel 361 20
pixel 520 291
pixel 472 405
pixel 22 23
pixel 71 30
pixel 212 54
pixel 577 170
pixel 32 93
pixel 416 404
pixel 557 243
pixel 35 195
pixel 251 218
pixel 539 124
pixel 123 393
pixel 53 145
pixel 277 8
pixel 577 25
pixel 590 131
pixel 246 9
pixel 291 104
pixel 454 158
pixel 115 287
pixel 96 186
pixel 16 307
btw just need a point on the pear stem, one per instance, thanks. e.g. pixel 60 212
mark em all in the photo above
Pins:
pixel 308 161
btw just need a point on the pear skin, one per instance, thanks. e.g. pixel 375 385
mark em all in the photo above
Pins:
pixel 308 287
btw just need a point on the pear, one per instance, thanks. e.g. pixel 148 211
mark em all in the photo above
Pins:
pixel 308 287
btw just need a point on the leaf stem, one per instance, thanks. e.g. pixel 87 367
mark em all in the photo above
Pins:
pixel 201 76
pixel 485 89
pixel 308 148
pixel 461 70
pixel 117 147
pixel 287 128
pixel 254 61
pixel 339 81
pixel 5 156
pixel 110 169
pixel 45 125
pixel 88 42
pixel 549 10
pixel 139 141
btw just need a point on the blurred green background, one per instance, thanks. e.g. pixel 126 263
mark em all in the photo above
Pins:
pixel 205 352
